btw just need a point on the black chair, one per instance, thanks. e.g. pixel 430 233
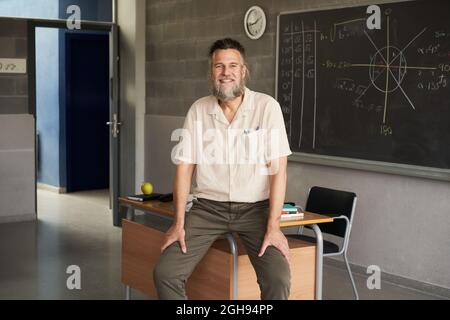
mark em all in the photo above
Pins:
pixel 341 206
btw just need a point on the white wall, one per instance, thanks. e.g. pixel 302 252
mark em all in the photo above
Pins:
pixel 17 180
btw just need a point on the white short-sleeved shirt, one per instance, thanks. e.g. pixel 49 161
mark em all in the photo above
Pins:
pixel 231 158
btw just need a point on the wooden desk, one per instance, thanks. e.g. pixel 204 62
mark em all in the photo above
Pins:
pixel 166 210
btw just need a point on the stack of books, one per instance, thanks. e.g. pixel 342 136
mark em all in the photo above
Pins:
pixel 291 212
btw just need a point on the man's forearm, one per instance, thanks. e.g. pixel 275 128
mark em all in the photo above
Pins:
pixel 181 188
pixel 277 193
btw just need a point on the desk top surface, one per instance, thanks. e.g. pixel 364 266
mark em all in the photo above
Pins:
pixel 166 208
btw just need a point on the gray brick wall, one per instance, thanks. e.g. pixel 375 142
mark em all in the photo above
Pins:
pixel 13 87
pixel 179 33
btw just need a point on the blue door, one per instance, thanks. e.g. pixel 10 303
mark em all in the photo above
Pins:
pixel 87 111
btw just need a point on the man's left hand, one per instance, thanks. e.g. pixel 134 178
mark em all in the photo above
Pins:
pixel 277 239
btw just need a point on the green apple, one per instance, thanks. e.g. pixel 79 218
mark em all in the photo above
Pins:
pixel 146 188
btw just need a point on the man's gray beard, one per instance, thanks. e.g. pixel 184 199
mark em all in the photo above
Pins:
pixel 228 95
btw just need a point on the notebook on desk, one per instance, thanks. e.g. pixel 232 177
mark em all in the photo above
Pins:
pixel 144 197
pixel 163 197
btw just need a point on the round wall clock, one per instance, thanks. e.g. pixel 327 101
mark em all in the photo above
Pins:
pixel 255 22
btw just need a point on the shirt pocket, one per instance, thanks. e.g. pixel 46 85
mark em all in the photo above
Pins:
pixel 253 147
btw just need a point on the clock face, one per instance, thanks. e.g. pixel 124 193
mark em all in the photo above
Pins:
pixel 255 22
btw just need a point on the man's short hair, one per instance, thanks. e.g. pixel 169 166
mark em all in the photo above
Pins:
pixel 227 43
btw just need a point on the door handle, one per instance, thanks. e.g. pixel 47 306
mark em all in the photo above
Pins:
pixel 114 125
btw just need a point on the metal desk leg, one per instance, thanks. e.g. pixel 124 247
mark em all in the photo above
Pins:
pixel 130 213
pixel 319 260
pixel 127 293
pixel 234 252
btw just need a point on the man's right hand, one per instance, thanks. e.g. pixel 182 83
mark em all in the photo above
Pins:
pixel 175 233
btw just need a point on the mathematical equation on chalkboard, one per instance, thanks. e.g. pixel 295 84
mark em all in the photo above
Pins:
pixel 298 68
pixel 388 68
pixel 380 94
pixel 13 65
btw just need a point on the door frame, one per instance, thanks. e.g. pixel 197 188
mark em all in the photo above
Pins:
pixel 113 29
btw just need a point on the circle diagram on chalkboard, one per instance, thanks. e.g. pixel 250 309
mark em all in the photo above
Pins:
pixel 389 61
pixel 395 72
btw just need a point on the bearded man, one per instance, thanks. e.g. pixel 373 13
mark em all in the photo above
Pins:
pixel 230 197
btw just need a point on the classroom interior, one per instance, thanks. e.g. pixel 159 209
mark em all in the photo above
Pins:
pixel 62 168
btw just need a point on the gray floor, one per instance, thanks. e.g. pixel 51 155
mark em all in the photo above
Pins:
pixel 76 229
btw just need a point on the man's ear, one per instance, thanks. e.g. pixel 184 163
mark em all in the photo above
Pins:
pixel 244 72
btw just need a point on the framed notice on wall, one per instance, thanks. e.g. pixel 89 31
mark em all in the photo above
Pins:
pixel 13 65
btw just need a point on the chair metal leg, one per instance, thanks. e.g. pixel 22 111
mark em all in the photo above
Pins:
pixel 234 252
pixel 351 276
pixel 319 261
pixel 130 213
pixel 127 292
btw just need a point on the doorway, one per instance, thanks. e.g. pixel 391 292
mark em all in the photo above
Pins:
pixel 73 142
pixel 87 111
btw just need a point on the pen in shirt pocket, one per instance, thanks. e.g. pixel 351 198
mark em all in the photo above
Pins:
pixel 247 131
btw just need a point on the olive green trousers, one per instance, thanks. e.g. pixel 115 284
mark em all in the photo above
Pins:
pixel 208 220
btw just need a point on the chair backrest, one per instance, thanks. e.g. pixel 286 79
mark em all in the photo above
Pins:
pixel 333 203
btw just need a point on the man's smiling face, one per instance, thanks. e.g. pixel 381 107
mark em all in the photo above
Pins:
pixel 227 74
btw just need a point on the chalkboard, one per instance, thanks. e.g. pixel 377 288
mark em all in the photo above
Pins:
pixel 378 95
